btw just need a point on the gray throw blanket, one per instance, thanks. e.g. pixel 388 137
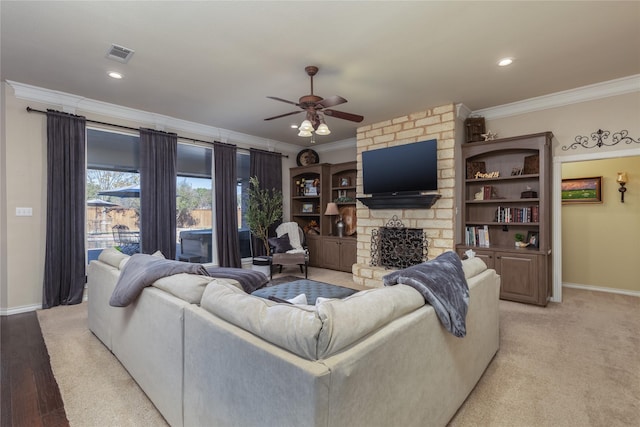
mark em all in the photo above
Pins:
pixel 141 271
pixel 250 280
pixel 442 283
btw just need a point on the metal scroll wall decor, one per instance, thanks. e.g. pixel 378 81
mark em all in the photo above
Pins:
pixel 599 139
pixel 396 246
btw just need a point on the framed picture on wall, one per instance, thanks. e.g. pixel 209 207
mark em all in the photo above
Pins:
pixel 582 190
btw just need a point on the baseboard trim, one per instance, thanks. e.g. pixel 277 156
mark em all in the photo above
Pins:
pixel 602 289
pixel 21 309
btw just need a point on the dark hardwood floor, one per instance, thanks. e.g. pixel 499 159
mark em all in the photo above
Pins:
pixel 28 390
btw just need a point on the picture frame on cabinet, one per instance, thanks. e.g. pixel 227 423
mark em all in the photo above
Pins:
pixel 582 190
pixel 307 208
pixel 533 239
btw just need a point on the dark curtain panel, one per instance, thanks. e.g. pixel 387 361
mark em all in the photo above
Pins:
pixel 158 169
pixel 226 182
pixel 267 167
pixel 64 263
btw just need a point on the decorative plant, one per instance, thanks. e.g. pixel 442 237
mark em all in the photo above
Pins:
pixel 520 243
pixel 264 208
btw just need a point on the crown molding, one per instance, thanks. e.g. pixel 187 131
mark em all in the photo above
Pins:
pixel 592 92
pixel 462 111
pixel 70 103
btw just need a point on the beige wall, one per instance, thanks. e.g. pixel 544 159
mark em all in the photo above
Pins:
pixel 614 113
pixel 600 241
pixel 23 181
pixel 23 174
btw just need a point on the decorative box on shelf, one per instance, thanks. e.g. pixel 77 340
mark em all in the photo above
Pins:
pixel 529 194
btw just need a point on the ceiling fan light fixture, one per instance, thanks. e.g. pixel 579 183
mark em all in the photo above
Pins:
pixel 323 129
pixel 306 126
pixel 305 133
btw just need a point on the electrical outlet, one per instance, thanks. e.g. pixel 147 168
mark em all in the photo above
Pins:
pixel 24 211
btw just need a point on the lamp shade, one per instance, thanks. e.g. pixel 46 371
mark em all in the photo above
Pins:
pixel 622 178
pixel 323 129
pixel 306 126
pixel 332 209
pixel 305 133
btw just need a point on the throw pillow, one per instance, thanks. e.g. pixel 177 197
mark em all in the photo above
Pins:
pixel 280 244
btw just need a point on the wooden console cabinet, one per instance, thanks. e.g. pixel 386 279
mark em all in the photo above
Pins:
pixel 507 191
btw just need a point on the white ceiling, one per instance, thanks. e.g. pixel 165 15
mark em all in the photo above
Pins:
pixel 215 62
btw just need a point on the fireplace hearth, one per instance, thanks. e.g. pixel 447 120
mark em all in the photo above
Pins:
pixel 397 246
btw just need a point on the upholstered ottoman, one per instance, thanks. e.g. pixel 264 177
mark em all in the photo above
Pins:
pixel 310 288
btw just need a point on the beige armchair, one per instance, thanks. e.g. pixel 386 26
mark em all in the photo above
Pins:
pixel 291 250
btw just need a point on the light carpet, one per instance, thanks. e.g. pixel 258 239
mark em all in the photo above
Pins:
pixel 570 364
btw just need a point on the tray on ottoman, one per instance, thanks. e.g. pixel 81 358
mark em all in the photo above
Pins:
pixel 310 288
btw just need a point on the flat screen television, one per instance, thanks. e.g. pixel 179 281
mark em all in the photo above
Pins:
pixel 402 169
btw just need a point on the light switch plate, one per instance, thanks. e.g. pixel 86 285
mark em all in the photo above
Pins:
pixel 24 211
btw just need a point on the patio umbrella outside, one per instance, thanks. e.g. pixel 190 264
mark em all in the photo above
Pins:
pixel 130 191
pixel 100 204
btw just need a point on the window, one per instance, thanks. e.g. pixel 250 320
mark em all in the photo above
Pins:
pixel 243 165
pixel 112 192
pixel 194 204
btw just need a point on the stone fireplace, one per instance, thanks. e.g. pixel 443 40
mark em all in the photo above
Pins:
pixel 435 224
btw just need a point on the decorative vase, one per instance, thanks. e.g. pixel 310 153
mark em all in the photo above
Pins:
pixel 340 227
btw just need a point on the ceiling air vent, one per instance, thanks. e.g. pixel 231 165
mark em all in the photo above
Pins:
pixel 119 53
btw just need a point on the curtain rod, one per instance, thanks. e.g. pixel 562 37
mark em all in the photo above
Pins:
pixel 33 110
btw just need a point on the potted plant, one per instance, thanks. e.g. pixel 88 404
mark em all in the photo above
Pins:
pixel 520 243
pixel 264 208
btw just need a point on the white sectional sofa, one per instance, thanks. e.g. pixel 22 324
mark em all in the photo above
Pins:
pixel 377 358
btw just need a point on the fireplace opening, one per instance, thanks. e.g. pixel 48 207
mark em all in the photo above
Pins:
pixel 397 246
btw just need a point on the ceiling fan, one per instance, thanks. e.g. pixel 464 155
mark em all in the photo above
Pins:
pixel 316 107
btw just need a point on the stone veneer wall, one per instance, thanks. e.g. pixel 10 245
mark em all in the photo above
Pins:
pixel 438 222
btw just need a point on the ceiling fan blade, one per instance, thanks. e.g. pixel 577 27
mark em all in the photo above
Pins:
pixel 343 115
pixel 284 115
pixel 331 101
pixel 282 100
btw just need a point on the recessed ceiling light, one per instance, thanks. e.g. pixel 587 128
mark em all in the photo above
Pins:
pixel 294 126
pixel 505 61
pixel 115 75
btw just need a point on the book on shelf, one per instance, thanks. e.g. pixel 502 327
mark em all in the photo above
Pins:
pixel 488 192
pixel 477 236
pixel 521 215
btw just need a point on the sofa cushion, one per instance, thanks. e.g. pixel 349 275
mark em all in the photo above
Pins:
pixel 112 256
pixel 294 328
pixel 187 287
pixel 472 267
pixel 345 321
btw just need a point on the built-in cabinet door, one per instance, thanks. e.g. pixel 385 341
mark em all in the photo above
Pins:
pixel 348 254
pixel 338 253
pixel 518 276
pixel 331 253
pixel 314 245
pixel 486 256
